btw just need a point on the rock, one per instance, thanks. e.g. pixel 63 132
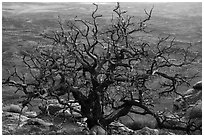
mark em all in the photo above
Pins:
pixel 121 127
pixel 147 131
pixel 165 132
pixel 53 109
pixel 136 122
pixel 172 119
pixel 14 108
pixel 52 101
pixel 13 117
pixel 97 130
pixel 179 104
pixel 38 122
pixel 190 92
pixel 190 107
pixel 68 113
pixel 13 124
pixel 170 133
pixel 198 85
pixel 194 97
pixel 8 129
pixel 82 123
pixel 36 126
pixel 195 111
pixel 50 109
pixel 30 114
pixel 190 97
pixel 10 122
pixel 75 106
pixel 58 110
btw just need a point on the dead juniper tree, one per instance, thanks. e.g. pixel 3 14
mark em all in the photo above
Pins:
pixel 108 69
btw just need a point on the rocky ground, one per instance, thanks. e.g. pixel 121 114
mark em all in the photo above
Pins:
pixel 18 121
pixel 49 119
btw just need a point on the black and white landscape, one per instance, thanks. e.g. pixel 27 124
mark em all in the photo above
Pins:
pixel 101 68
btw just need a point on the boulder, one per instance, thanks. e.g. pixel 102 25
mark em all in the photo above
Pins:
pixel 10 122
pixel 30 114
pixel 136 122
pixel 147 131
pixel 165 132
pixel 8 129
pixel 193 97
pixel 97 130
pixel 36 126
pixel 190 92
pixel 13 117
pixel 15 108
pixel 190 106
pixel 50 109
pixel 190 97
pixel 52 101
pixel 57 109
pixel 37 121
pixel 68 113
pixel 178 104
pixel 198 85
pixel 195 111
pixel 121 127
pixel 19 124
